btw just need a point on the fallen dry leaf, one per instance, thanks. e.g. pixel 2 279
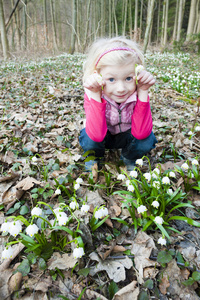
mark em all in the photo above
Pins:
pixel 62 262
pixel 164 284
pixel 27 183
pixel 129 292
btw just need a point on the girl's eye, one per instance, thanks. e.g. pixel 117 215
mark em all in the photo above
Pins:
pixel 129 78
pixel 111 79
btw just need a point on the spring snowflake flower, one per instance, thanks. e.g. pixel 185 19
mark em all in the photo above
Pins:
pixel 185 166
pixel 195 162
pixel 76 157
pixel 74 205
pixel 79 180
pixel 159 220
pixel 36 211
pixel 156 184
pixel 190 133
pixel 5 226
pixel 85 208
pixel 128 182
pixel 121 177
pixel 147 176
pixel 32 229
pixel 138 69
pixel 7 253
pixel 62 218
pixel 130 188
pixel 15 228
pixel 141 209
pixel 156 170
pixel 57 210
pixel 155 204
pixel 57 192
pixel 165 180
pixel 162 241
pixel 170 192
pixel 101 213
pixel 197 128
pixel 172 174
pixel 134 174
pixel 34 159
pixel 76 186
pixel 78 252
pixel 139 162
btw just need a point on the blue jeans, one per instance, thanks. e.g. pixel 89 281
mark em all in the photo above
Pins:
pixel 132 148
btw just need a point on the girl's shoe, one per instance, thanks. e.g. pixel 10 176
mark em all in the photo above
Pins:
pixel 130 164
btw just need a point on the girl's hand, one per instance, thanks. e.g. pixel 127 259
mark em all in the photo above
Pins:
pixel 94 83
pixel 145 81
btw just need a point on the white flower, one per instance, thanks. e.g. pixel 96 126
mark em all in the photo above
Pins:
pixel 130 188
pixel 156 170
pixel 170 191
pixel 57 192
pixel 172 174
pixel 36 211
pixel 62 218
pixel 159 220
pixel 78 252
pixel 74 205
pixel 34 159
pixel 15 228
pixel 76 186
pixel 195 162
pixel 165 180
pixel 85 208
pixel 156 184
pixel 138 69
pixel 76 157
pixel 185 166
pixel 197 128
pixel 155 204
pixel 139 162
pixel 57 210
pixel 134 174
pixel 101 213
pixel 121 177
pixel 128 182
pixel 32 229
pixel 190 133
pixel 7 253
pixel 162 241
pixel 5 227
pixel 147 176
pixel 141 209
pixel 79 180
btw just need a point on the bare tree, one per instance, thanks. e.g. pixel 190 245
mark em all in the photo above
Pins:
pixel 53 26
pixel 148 23
pixel 192 18
pixel 136 21
pixel 4 38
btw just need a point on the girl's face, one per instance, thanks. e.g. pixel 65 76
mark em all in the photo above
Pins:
pixel 119 82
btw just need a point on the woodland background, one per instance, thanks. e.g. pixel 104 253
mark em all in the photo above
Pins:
pixel 33 27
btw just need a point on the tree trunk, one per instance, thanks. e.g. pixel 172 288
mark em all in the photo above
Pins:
pixel 165 23
pixel 110 18
pixel 136 22
pixel 148 24
pixel 175 22
pixel 130 20
pixel 180 19
pixel 25 25
pixel 158 24
pixel 4 38
pixel 45 23
pixel 192 18
pixel 53 26
pixel 125 17
pixel 141 14
pixel 73 34
pixel 87 25
pixel 102 18
pixel 115 19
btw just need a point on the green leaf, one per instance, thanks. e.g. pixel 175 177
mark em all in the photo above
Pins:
pixel 24 267
pixel 42 264
pixel 189 281
pixel 148 284
pixel 32 258
pixel 24 210
pixel 143 296
pixel 196 275
pixel 84 272
pixel 164 257
pixel 112 289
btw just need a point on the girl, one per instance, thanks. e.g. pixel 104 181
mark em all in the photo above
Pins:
pixel 116 103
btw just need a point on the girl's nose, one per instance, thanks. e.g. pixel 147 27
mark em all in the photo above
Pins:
pixel 120 87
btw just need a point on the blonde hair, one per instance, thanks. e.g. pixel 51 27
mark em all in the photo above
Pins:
pixel 95 60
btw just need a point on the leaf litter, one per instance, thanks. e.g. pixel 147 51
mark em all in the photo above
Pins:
pixel 42 114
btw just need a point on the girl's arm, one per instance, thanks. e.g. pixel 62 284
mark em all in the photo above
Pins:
pixel 96 126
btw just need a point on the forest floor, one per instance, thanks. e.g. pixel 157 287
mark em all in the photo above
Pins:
pixel 41 163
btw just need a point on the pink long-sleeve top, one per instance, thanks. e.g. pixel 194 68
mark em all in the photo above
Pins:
pixel 108 115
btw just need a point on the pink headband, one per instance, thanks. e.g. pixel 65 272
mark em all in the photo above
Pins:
pixel 113 49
